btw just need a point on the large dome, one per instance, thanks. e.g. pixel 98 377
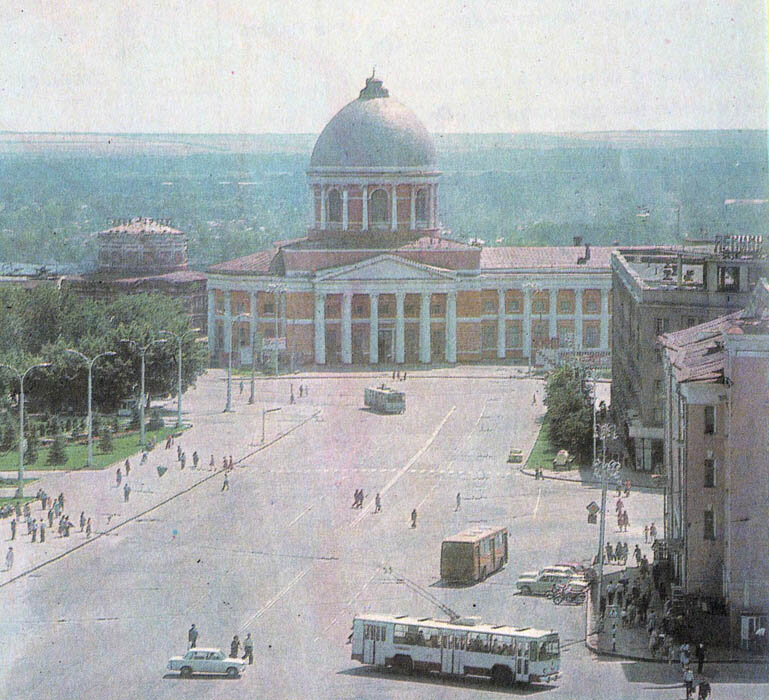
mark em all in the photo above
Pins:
pixel 374 131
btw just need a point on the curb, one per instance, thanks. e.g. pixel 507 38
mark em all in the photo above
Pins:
pixel 170 498
pixel 530 473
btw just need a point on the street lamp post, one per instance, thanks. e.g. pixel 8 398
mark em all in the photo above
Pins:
pixel 90 362
pixel 605 471
pixel 142 351
pixel 21 376
pixel 254 334
pixel 179 339
pixel 276 289
pixel 228 406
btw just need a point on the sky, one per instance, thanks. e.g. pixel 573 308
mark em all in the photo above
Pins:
pixel 287 66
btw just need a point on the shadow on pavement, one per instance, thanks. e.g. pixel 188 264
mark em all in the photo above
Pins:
pixel 201 677
pixel 670 676
pixel 475 684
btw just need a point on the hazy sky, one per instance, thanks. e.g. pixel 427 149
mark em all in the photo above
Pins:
pixel 288 65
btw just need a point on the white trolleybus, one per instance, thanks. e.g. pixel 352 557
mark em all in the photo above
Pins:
pixel 464 647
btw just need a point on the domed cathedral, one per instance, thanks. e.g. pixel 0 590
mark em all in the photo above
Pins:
pixel 377 280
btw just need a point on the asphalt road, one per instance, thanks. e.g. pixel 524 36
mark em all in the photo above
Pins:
pixel 283 555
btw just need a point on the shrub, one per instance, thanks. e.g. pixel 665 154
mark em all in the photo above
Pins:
pixel 33 445
pixel 58 452
pixel 105 444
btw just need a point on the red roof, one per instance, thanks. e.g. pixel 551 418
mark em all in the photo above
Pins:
pixel 256 263
pixel 512 257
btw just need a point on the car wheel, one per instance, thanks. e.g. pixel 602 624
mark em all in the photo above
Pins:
pixel 525 590
pixel 404 664
pixel 185 671
pixel 558 599
pixel 232 672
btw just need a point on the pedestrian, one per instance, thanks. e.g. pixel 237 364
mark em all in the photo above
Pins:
pixel 393 375
pixel 652 624
pixel 118 476
pixel 178 452
pixel 145 456
pixel 212 463
pixel 625 521
pixel 688 681
pixel 248 647
pixel 301 391
pixel 225 464
pixel 609 553
pixel 183 459
pixel 683 656
pixel 42 531
pixel 614 636
pixel 459 501
pixel 404 376
pixel 192 636
pixel 619 506
pixel 88 528
pixel 195 459
pixel 611 589
pixel 355 499
pixel 414 518
pixel 703 690
pixel 602 607
pixel 534 399
pixel 699 652
pixel 637 555
pixel 399 375
pixel 82 520
pixel 226 484
pixel 291 397
pixel 241 386
pixel 13 529
pixel 231 464
pixel 126 492
pixel 377 504
pixel 50 517
pixel 652 533
pixel 127 467
pixel 61 501
pixel 34 530
pixel 646 534
pixel 234 647
pixel 627 488
pixel 9 559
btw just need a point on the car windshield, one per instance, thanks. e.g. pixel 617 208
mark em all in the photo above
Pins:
pixel 216 655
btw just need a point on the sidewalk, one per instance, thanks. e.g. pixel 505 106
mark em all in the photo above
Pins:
pixel 584 475
pixel 97 495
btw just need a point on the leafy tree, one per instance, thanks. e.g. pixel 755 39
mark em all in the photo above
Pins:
pixel 105 443
pixel 58 451
pixel 96 427
pixel 569 410
pixel 33 445
pixel 10 438
pixel 115 425
pixel 156 420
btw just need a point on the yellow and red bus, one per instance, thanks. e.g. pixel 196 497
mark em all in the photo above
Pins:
pixel 474 554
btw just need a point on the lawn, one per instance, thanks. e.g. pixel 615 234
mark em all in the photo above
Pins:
pixel 10 500
pixel 124 446
pixel 543 453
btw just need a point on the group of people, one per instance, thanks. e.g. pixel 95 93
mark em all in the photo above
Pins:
pixel 235 644
pixel 623 519
pixel 398 376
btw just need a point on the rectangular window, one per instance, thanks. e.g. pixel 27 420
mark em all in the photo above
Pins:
pixel 489 307
pixel 565 307
pixel 538 307
pixel 591 306
pixel 710 420
pixel 592 337
pixel 489 337
pixel 709 523
pixel 710 474
pixel 660 326
pixel 728 279
pixel 268 307
pixel 514 338
pixel 436 309
pixel 514 306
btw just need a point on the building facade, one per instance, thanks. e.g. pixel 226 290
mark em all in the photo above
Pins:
pixel 142 255
pixel 716 449
pixel 659 290
pixel 377 280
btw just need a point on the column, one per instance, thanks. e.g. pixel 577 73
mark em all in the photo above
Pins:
pixel 578 320
pixel 345 216
pixel 312 206
pixel 431 205
pixel 435 205
pixel 364 223
pixel 323 206
pixel 553 316
pixel 501 324
pixel 227 322
pixel 320 328
pixel 400 330
pixel 451 326
pixel 413 208
pixel 373 328
pixel 424 327
pixel 211 322
pixel 527 321
pixel 347 328
pixel 394 216
pixel 253 321
pixel 605 320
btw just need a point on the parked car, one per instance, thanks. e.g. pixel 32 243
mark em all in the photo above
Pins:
pixel 542 582
pixel 586 572
pixel 200 660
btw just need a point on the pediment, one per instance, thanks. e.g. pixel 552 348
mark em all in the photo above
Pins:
pixel 386 267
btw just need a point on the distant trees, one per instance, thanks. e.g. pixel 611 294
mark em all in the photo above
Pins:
pixel 569 410
pixel 58 452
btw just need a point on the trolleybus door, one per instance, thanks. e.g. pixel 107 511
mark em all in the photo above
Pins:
pixel 522 663
pixel 373 644
pixel 451 654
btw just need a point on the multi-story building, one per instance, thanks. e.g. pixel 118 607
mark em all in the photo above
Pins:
pixel 716 433
pixel 656 291
pixel 377 280
pixel 144 255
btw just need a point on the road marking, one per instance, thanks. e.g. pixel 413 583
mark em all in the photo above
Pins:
pixel 304 512
pixel 275 598
pixel 536 507
pixel 406 467
pixel 346 605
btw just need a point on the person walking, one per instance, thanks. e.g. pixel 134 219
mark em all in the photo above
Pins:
pixel 195 459
pixel 414 518
pixel 377 504
pixel 637 555
pixel 652 533
pixel 9 559
pixel 42 531
pixel 646 534
pixel 126 492
pixel 614 636
pixel 34 529
pixel 118 476
pixel 699 652
pixel 13 529
pixel 231 465
pixel 248 647
pixel 82 520
pixel 226 484
pixel 127 467
pixel 184 459
pixel 688 681
pixel 192 636
pixel 234 647
pixel 241 386
pixel 459 502
pixel 50 517
pixel 88 528
pixel 212 463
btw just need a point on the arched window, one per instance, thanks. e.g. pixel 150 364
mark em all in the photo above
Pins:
pixel 421 208
pixel 334 207
pixel 377 211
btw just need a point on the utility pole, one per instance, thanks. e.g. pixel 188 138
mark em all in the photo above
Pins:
pixel 142 351
pixel 228 406
pixel 179 339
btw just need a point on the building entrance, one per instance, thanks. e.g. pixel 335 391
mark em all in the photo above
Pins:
pixel 386 339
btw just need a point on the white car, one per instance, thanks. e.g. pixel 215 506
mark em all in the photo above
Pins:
pixel 542 582
pixel 199 660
